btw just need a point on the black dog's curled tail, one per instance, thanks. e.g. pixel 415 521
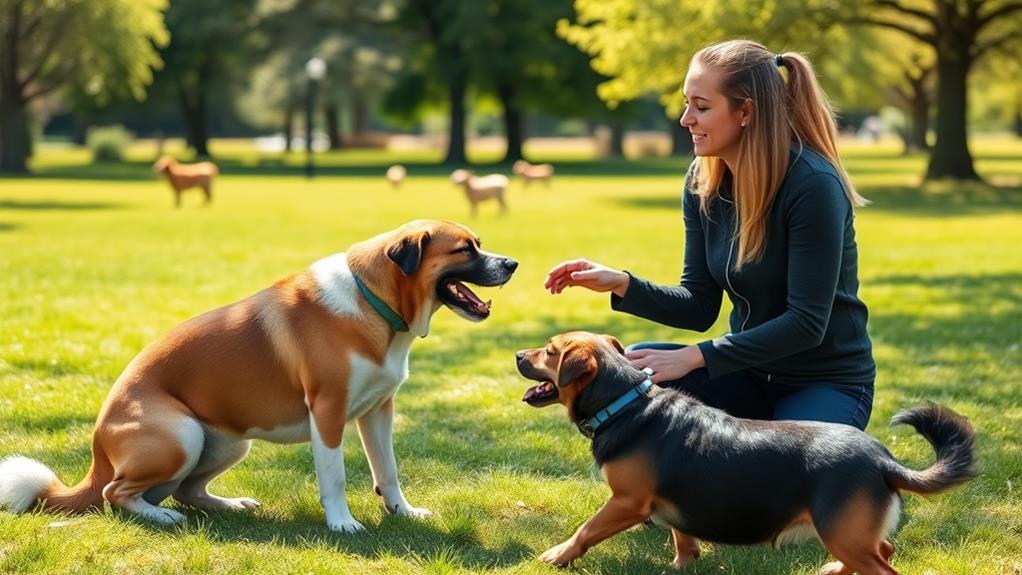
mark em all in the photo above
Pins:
pixel 951 436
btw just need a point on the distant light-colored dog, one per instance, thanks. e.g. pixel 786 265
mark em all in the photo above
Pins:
pixel 185 176
pixel 480 188
pixel 396 174
pixel 529 172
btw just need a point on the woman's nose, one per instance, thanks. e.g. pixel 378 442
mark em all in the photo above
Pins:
pixel 686 119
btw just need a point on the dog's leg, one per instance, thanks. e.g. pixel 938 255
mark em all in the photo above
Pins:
pixel 208 190
pixel 219 454
pixel 330 475
pixel 177 198
pixel 856 537
pixel 148 456
pixel 686 549
pixel 503 206
pixel 376 430
pixel 632 486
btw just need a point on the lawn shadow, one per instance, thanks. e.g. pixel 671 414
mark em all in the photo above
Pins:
pixel 393 535
pixel 57 206
pixel 330 167
pixel 8 227
pixel 930 202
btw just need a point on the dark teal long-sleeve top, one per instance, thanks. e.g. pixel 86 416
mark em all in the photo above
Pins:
pixel 797 317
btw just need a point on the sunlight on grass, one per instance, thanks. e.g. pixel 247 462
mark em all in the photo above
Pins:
pixel 97 264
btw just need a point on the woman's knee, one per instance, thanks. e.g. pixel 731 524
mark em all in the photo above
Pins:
pixel 829 405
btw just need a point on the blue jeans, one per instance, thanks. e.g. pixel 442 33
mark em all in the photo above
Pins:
pixel 743 394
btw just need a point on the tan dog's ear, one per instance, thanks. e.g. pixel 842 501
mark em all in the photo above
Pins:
pixel 578 364
pixel 407 252
pixel 614 342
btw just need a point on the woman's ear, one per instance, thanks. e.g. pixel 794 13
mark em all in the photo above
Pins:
pixel 745 112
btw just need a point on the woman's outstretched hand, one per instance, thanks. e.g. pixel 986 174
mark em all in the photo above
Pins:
pixel 667 364
pixel 587 274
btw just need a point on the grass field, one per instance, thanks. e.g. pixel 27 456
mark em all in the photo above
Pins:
pixel 95 263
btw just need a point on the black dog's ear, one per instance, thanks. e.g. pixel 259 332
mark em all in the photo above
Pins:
pixel 407 252
pixel 578 364
pixel 615 343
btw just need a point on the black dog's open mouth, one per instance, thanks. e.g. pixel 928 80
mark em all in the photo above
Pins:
pixel 463 301
pixel 540 395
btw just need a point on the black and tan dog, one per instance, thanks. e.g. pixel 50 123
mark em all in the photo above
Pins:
pixel 711 476
pixel 292 363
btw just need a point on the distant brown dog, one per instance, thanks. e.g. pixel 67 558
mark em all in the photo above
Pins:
pixel 479 188
pixel 529 172
pixel 185 176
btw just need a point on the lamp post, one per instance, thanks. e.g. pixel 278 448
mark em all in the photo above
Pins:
pixel 315 69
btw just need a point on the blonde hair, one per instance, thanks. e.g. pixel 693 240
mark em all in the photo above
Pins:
pixel 783 112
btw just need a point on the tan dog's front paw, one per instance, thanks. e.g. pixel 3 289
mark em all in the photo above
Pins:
pixel 561 555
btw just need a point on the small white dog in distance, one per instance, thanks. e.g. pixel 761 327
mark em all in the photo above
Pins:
pixel 481 188
pixel 530 172
pixel 396 174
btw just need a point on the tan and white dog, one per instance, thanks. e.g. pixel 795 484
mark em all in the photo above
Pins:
pixel 291 363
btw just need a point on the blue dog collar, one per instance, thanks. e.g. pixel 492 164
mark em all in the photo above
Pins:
pixel 589 426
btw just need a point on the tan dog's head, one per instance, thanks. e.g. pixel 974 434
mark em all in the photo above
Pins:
pixel 565 367
pixel 520 167
pixel 428 263
pixel 163 164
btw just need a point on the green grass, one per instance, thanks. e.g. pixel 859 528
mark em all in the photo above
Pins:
pixel 95 264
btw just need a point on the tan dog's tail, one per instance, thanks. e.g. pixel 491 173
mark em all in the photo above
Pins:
pixel 951 436
pixel 24 481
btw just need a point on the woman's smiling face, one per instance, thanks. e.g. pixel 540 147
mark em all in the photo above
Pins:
pixel 716 127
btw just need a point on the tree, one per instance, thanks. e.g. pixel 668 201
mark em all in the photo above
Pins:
pixel 439 62
pixel 105 47
pixel 210 42
pixel 961 33
pixel 645 46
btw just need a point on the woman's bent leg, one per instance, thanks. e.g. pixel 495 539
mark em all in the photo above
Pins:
pixel 850 405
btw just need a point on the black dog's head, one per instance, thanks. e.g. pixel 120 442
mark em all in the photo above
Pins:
pixel 566 366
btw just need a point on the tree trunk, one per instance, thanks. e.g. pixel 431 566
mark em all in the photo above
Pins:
pixel 360 115
pixel 617 139
pixel 456 140
pixel 13 126
pixel 920 120
pixel 513 132
pixel 1018 115
pixel 333 125
pixel 950 157
pixel 289 127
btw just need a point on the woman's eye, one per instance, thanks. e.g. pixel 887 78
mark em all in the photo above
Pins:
pixel 702 109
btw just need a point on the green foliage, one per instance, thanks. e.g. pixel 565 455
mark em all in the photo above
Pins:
pixel 108 143
pixel 97 264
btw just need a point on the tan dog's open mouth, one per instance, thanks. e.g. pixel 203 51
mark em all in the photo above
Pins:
pixel 464 301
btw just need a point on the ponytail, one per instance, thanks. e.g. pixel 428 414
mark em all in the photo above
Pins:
pixel 812 115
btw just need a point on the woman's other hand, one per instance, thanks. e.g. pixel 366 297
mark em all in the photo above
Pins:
pixel 587 274
pixel 667 364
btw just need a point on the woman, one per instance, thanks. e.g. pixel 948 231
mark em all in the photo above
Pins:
pixel 768 219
